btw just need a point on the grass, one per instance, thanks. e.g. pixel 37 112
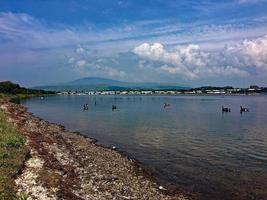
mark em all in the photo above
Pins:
pixel 12 154
pixel 12 149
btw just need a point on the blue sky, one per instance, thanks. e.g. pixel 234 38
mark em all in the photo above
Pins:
pixel 189 42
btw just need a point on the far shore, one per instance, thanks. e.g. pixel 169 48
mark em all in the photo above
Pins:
pixel 181 94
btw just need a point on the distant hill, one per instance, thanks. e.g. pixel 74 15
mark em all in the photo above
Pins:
pixel 96 83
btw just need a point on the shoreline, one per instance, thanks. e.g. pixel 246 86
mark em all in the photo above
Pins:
pixel 59 164
pixel 184 94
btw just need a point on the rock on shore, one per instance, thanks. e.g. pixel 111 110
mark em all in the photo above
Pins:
pixel 66 165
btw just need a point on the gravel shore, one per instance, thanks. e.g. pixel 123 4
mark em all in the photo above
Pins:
pixel 67 165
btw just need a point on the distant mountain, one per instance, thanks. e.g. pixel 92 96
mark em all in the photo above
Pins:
pixel 96 83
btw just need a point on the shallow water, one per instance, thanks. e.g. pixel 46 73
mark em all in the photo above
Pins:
pixel 190 144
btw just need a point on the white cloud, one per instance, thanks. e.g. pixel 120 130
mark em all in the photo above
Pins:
pixel 249 53
pixel 86 65
pixel 20 30
pixel 80 50
pixel 23 35
pixel 249 1
pixel 112 72
pixel 100 70
pixel 192 62
pixel 157 52
pixel 71 60
pixel 81 63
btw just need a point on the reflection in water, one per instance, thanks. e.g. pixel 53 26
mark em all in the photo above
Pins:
pixel 190 143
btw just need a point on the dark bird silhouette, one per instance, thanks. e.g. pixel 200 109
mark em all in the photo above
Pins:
pixel 243 109
pixel 85 107
pixel 166 105
pixel 114 107
pixel 225 109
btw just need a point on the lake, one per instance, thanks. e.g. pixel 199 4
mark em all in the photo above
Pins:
pixel 190 144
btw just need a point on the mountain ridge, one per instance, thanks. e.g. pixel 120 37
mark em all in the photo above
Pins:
pixel 99 83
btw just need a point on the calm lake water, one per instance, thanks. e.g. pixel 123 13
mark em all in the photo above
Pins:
pixel 190 144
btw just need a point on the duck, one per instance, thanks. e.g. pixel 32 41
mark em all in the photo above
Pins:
pixel 225 109
pixel 166 105
pixel 85 107
pixel 114 107
pixel 243 109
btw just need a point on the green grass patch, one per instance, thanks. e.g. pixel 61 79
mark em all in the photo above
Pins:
pixel 12 155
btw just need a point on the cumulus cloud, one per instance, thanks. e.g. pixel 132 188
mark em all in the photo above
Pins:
pixel 249 53
pixel 192 62
pixel 87 65
pixel 188 61
pixel 157 52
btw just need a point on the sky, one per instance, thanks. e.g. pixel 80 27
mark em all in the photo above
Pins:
pixel 188 42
